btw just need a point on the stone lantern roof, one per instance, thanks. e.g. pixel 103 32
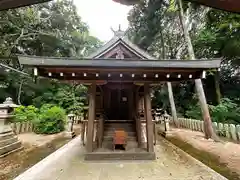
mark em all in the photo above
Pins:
pixel 8 103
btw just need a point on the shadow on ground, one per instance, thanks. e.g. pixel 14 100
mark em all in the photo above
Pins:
pixel 205 157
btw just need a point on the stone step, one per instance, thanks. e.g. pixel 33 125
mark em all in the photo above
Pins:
pixel 105 156
pixel 119 125
pixel 8 141
pixel 128 140
pixel 10 152
pixel 10 147
pixel 5 136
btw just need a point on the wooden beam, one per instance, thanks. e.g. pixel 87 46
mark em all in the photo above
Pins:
pixel 117 70
pixel 91 117
pixel 148 117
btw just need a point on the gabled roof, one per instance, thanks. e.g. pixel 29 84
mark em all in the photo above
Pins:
pixel 118 63
pixel 120 38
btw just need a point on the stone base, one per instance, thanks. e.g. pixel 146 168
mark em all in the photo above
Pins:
pixel 70 134
pixel 10 152
pixel 111 156
pixel 9 143
pixel 167 133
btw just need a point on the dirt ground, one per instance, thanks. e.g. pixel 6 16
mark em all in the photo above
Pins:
pixel 227 152
pixel 36 147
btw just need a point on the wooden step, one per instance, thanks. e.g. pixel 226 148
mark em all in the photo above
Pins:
pixel 131 138
pixel 111 133
pixel 118 127
pixel 118 124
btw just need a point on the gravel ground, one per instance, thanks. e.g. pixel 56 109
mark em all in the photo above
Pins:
pixel 171 163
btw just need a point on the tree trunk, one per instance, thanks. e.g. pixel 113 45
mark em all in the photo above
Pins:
pixel 20 92
pixel 172 104
pixel 217 87
pixel 169 86
pixel 208 129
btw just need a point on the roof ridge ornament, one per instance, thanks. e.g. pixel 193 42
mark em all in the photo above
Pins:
pixel 119 32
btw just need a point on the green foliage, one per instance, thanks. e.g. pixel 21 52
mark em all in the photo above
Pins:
pixel 220 37
pixel 25 113
pixel 51 120
pixel 194 112
pixel 226 112
pixel 46 29
pixel 214 33
pixel 48 119
pixel 72 98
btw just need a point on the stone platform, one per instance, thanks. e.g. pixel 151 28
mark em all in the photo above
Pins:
pixel 9 143
pixel 103 156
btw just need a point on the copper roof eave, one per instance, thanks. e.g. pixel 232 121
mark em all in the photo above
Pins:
pixel 226 5
pixel 10 4
pixel 35 61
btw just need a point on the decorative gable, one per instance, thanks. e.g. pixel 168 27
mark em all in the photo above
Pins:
pixel 120 52
pixel 119 47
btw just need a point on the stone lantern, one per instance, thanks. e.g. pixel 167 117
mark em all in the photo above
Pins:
pixel 166 118
pixel 8 140
pixel 70 133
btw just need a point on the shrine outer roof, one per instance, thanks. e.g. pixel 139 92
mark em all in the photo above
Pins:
pixel 10 4
pixel 37 61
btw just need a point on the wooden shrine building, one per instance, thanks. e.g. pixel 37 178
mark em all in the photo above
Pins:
pixel 119 77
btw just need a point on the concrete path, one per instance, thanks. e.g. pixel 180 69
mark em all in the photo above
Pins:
pixel 171 164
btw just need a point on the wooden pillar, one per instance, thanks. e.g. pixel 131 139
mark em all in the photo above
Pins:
pixel 91 117
pixel 148 117
pixel 108 98
pixel 100 131
pixel 130 104
pixel 137 119
pixel 83 132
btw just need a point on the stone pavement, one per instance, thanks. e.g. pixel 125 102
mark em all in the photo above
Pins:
pixel 171 164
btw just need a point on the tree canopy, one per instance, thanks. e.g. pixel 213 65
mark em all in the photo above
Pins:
pixel 48 29
pixel 156 27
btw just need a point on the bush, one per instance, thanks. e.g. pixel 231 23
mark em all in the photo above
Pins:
pixel 25 113
pixel 227 112
pixel 194 112
pixel 51 120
